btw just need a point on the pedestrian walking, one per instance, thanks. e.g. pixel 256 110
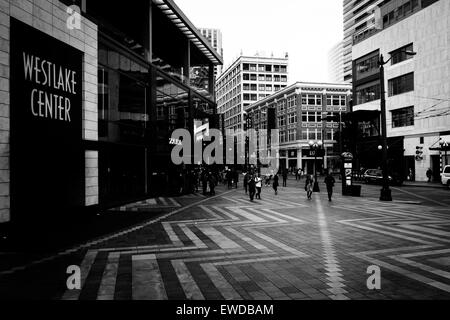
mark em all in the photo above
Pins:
pixel 235 178
pixel 329 182
pixel 246 175
pixel 297 171
pixel 251 187
pixel 429 174
pixel 212 184
pixel 204 178
pixel 309 186
pixel 275 184
pixel 258 184
pixel 285 178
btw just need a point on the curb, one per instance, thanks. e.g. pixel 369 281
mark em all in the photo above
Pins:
pixel 425 186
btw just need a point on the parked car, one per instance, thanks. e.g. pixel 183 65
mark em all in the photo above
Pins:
pixel 376 176
pixel 445 176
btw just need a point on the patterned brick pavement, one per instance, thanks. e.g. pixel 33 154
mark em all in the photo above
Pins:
pixel 280 247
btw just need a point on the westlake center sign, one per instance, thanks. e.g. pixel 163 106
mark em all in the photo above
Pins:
pixel 47 158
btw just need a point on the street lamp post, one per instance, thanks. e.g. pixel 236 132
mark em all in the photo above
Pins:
pixel 385 194
pixel 444 146
pixel 315 146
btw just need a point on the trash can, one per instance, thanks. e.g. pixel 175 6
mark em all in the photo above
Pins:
pixel 356 190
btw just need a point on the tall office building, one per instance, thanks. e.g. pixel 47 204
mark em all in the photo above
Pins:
pixel 336 63
pixel 414 45
pixel 245 81
pixel 214 36
pixel 360 18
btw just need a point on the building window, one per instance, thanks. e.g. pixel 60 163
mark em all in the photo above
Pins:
pixel 245 67
pixel 261 77
pixel 368 92
pixel 246 76
pixel 268 68
pixel 268 87
pixel 402 84
pixel 367 65
pixel 281 121
pixel 311 117
pixel 400 55
pixel 305 135
pixel 253 67
pixel 292 102
pixel 292 118
pixel 292 134
pixel 262 87
pixel 403 117
pixel 268 78
pixel 282 106
pixel 282 136
pixel 329 135
pixel 253 77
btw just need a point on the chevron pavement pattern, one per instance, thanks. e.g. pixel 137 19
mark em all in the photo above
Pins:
pixel 280 247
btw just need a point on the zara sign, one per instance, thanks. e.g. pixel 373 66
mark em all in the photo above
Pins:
pixel 47 158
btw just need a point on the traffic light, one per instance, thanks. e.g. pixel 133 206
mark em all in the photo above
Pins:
pixel 248 122
pixel 419 153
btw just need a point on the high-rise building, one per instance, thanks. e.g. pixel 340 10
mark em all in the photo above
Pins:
pixel 245 81
pixel 360 18
pixel 214 36
pixel 414 46
pixel 336 63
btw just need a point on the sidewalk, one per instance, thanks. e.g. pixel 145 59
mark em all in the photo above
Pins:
pixel 15 250
pixel 423 184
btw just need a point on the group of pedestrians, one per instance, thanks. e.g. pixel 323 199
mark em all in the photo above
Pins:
pixel 329 182
pixel 253 184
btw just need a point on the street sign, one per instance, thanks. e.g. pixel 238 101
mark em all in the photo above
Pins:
pixel 315 153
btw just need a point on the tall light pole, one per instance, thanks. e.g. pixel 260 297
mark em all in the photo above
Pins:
pixel 385 194
pixel 444 146
pixel 315 145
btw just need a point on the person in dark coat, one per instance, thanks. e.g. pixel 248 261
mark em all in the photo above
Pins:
pixel 212 184
pixel 235 178
pixel 251 187
pixel 329 182
pixel 309 186
pixel 204 178
pixel 285 178
pixel 246 175
pixel 275 184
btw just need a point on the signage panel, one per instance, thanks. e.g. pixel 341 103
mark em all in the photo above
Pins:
pixel 47 158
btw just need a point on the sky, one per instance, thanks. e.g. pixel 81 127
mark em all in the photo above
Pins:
pixel 306 29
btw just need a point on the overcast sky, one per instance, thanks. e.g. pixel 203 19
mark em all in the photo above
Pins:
pixel 306 29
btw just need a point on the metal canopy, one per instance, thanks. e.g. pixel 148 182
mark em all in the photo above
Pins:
pixel 174 14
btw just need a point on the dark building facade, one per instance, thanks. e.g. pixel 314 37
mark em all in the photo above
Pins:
pixel 89 101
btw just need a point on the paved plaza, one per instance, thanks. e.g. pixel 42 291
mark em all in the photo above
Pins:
pixel 280 247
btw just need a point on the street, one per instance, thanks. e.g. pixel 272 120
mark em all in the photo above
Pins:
pixel 280 247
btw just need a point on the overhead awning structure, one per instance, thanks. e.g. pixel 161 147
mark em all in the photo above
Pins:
pixel 174 14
